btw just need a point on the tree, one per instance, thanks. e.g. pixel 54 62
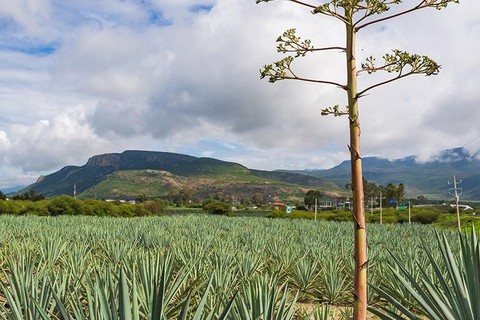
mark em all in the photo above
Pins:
pixel 65 205
pixel 258 199
pixel 141 198
pixel 310 197
pixel 370 190
pixel 2 196
pixel 29 195
pixel 355 15
pixel 174 197
pixel 217 207
pixel 185 193
pixel 155 207
pixel 401 193
pixel 391 193
pixel 394 192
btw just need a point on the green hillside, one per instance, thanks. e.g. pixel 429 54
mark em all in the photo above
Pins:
pixel 155 174
pixel 429 179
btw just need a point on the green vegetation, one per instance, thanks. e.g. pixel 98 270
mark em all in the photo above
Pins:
pixel 85 267
pixel 354 16
pixel 217 207
pixel 158 174
pixel 439 216
pixel 451 292
pixel 66 205
pixel 427 179
pixel 311 198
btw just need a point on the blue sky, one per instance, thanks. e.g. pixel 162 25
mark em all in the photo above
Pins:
pixel 80 78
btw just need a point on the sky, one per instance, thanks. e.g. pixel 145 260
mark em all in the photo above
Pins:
pixel 81 78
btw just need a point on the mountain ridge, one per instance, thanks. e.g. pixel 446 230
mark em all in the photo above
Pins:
pixel 129 172
pixel 428 178
pixel 154 173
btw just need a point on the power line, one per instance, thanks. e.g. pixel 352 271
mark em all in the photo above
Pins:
pixel 471 141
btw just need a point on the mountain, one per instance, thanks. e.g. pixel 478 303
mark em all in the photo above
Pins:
pixel 429 179
pixel 132 173
pixel 12 189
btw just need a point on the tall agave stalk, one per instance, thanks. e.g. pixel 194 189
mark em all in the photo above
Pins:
pixel 455 296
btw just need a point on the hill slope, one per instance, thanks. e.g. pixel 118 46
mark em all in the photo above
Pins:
pixel 131 173
pixel 428 179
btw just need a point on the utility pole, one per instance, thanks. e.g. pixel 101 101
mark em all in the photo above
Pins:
pixel 409 214
pixel 74 190
pixel 381 209
pixel 316 199
pixel 457 192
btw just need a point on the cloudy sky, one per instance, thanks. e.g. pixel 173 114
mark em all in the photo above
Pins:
pixel 80 78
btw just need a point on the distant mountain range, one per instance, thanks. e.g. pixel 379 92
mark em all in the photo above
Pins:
pixel 12 189
pixel 155 174
pixel 429 179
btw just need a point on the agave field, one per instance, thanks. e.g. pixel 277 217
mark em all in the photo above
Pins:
pixel 202 267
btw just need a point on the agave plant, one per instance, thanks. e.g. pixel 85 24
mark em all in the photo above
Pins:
pixel 109 299
pixel 22 289
pixel 334 280
pixel 262 299
pixel 304 278
pixel 454 297
pixel 321 312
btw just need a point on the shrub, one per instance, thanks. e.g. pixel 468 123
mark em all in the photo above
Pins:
pixel 340 216
pixel 207 201
pixel 39 208
pixel 372 218
pixel 139 210
pixel 100 208
pixel 218 207
pixel 155 207
pixel 276 214
pixel 389 219
pixel 402 218
pixel 11 207
pixel 65 205
pixel 426 217
pixel 3 207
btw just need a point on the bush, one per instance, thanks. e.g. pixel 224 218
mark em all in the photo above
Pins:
pixel 207 201
pixel 341 216
pixel 100 208
pixel 276 214
pixel 139 210
pixel 402 218
pixel 372 218
pixel 65 205
pixel 39 208
pixel 11 207
pixel 155 207
pixel 426 217
pixel 218 207
pixel 3 207
pixel 389 219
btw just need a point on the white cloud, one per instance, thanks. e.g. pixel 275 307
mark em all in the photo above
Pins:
pixel 49 143
pixel 182 76
pixel 32 15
